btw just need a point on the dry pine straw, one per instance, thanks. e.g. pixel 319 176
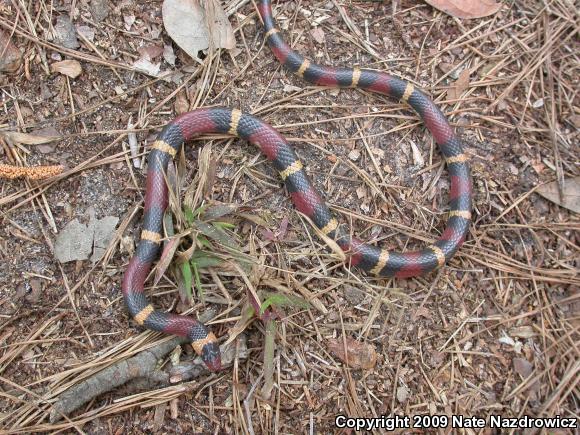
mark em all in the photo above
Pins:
pixel 437 337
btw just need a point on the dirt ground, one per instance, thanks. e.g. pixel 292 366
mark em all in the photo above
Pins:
pixel 494 332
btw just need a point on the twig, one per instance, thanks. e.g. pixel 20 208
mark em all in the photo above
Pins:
pixel 142 366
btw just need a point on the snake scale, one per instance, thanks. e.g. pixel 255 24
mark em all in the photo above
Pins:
pixel 369 258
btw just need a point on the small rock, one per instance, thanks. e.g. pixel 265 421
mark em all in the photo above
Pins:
pixel 104 233
pixel 86 32
pixel 10 56
pixel 65 33
pixel 354 155
pixel 402 394
pixel 74 242
pixel 99 9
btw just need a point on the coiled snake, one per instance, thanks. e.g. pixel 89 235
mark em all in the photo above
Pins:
pixel 369 258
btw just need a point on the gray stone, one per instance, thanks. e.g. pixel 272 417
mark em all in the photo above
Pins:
pixel 65 33
pixel 99 9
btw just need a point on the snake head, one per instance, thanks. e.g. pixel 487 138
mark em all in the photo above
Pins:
pixel 210 354
pixel 208 349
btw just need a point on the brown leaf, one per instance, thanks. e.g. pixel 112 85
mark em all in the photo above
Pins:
pixel 356 355
pixel 423 312
pixel 186 22
pixel 70 68
pixel 570 195
pixel 466 8
pixel 166 257
pixel 461 85
pixel 318 35
pixel 181 103
pixel 523 367
pixel 403 394
pixel 10 56
pixel 150 51
pixel 28 139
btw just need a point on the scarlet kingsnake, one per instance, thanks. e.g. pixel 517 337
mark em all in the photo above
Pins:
pixel 372 259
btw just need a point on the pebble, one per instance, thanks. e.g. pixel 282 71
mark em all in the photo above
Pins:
pixel 99 9
pixel 66 33
pixel 354 155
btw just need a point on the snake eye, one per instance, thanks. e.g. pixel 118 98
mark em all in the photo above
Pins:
pixel 210 354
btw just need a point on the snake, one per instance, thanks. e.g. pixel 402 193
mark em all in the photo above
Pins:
pixel 375 260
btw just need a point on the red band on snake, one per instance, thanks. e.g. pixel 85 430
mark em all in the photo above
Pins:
pixel 369 258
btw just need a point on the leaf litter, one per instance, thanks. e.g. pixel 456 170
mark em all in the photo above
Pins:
pixel 197 25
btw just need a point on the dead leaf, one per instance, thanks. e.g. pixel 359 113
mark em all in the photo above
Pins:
pixel 181 103
pixel 147 67
pixel 70 68
pixel 423 312
pixel 254 218
pixel 129 21
pixel 461 85
pixel 357 355
pixel 570 194
pixel 403 394
pixel 318 35
pixel 186 22
pixel 165 259
pixel 10 56
pixel 417 157
pixel 524 331
pixel 466 8
pixel 27 139
pixel 523 367
pixel 292 88
pixel 150 51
